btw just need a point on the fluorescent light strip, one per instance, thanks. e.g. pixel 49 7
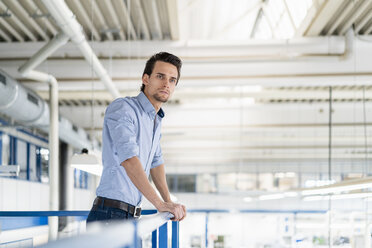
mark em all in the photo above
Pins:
pixel 348 185
pixel 271 197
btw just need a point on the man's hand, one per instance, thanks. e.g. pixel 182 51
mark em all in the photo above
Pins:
pixel 178 210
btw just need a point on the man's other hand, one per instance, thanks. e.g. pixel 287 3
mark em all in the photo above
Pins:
pixel 178 210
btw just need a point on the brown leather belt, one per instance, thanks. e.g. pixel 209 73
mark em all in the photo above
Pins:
pixel 135 211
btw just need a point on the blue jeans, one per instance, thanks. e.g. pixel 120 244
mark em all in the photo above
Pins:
pixel 107 215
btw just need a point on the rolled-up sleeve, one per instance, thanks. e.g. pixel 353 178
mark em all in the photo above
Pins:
pixel 158 157
pixel 122 129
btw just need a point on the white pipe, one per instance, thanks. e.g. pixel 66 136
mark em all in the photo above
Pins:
pixel 53 147
pixel 67 22
pixel 26 71
pixel 43 53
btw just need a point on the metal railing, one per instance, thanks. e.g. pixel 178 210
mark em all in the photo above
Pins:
pixel 120 234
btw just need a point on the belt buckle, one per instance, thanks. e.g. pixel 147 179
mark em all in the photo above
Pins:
pixel 135 212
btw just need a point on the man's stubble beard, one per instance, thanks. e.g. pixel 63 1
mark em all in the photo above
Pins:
pixel 160 99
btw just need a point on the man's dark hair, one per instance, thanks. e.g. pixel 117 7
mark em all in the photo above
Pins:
pixel 164 57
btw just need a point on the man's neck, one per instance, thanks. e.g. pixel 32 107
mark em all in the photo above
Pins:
pixel 156 104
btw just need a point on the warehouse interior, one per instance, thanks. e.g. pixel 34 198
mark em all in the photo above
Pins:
pixel 266 139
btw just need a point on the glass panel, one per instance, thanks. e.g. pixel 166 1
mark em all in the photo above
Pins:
pixel 44 156
pixel 21 153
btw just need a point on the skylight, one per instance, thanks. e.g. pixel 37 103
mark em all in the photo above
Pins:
pixel 241 20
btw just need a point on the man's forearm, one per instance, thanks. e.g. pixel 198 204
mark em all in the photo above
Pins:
pixel 159 179
pixel 134 170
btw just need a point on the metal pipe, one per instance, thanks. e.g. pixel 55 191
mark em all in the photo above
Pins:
pixel 43 53
pixel 67 22
pixel 53 147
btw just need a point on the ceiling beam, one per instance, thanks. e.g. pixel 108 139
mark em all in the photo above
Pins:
pixel 152 14
pixel 361 8
pixel 43 19
pixel 324 13
pixel 256 23
pixel 5 36
pixel 88 21
pixel 114 17
pixel 16 20
pixel 137 9
pixel 11 30
pixel 264 95
pixel 20 9
pixel 172 10
pixel 345 12
pixel 125 16
pixel 363 21
pixel 101 20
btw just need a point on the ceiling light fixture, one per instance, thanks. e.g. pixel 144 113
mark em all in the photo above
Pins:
pixel 87 162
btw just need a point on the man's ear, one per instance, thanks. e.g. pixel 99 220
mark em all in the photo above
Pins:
pixel 145 79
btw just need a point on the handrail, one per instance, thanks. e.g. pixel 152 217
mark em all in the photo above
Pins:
pixel 115 235
pixel 100 235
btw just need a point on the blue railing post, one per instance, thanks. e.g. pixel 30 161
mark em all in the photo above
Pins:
pixel 175 234
pixel 154 239
pixel 135 238
pixel 163 236
pixel 206 229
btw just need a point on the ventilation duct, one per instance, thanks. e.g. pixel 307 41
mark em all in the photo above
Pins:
pixel 25 106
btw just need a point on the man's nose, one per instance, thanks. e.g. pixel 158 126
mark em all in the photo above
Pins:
pixel 166 83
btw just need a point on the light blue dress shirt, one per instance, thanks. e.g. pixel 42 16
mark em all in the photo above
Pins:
pixel 130 128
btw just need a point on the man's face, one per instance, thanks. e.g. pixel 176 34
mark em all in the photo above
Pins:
pixel 162 81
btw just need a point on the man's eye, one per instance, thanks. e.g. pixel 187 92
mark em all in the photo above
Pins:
pixel 173 80
pixel 160 76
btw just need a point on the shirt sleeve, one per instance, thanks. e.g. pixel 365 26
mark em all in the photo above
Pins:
pixel 158 157
pixel 119 120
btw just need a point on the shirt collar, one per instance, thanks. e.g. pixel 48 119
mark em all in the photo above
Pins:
pixel 148 107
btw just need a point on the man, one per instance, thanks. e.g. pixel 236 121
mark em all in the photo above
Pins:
pixel 131 147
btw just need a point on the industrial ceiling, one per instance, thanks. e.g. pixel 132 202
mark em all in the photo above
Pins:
pixel 255 86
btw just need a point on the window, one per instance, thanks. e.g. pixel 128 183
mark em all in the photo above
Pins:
pixel 43 157
pixel 181 183
pixel 80 179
